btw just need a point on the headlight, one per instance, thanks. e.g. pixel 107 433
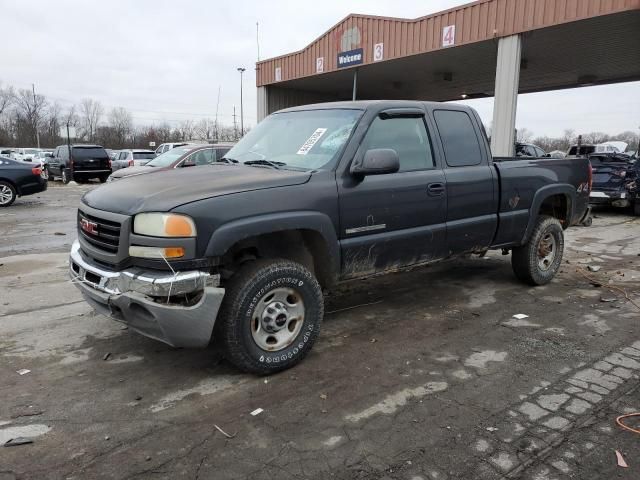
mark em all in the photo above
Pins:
pixel 164 225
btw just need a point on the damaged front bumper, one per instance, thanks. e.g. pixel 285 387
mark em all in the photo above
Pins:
pixel 150 302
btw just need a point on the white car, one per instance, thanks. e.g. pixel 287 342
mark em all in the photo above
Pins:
pixel 134 158
pixel 165 147
pixel 25 154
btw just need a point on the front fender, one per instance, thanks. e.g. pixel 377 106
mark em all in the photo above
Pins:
pixel 541 195
pixel 230 233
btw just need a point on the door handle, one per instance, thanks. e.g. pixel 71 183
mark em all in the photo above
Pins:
pixel 435 189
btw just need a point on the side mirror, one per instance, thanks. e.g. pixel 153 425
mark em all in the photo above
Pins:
pixel 378 161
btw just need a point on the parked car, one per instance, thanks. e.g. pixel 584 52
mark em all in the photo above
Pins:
pixel 165 147
pixel 588 149
pixel 311 196
pixel 18 179
pixel 529 150
pixel 135 158
pixel 557 154
pixel 178 157
pixel 79 162
pixel 6 152
pixel 616 181
pixel 24 154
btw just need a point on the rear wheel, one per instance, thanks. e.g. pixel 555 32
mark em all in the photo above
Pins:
pixel 538 261
pixel 103 178
pixel 7 194
pixel 271 316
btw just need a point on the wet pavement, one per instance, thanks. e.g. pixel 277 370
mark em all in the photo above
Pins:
pixel 417 375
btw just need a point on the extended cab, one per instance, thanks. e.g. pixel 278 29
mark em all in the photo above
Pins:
pixel 242 250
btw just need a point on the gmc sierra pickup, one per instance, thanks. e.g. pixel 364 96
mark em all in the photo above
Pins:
pixel 242 250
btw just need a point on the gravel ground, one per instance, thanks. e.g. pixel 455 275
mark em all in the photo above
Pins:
pixel 416 375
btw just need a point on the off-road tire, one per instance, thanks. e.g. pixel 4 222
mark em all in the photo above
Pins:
pixel 66 177
pixel 525 259
pixel 243 293
pixel 8 190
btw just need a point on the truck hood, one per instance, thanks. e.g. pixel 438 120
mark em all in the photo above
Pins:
pixel 128 171
pixel 171 188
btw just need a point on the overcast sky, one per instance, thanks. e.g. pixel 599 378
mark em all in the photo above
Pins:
pixel 165 60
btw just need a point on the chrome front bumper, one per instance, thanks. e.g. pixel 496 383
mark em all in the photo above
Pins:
pixel 145 300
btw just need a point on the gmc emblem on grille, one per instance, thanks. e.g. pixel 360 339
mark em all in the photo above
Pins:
pixel 89 227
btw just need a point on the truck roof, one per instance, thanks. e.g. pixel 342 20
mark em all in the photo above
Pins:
pixel 366 104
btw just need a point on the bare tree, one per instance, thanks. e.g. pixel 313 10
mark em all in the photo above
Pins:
pixel 206 129
pixel 524 135
pixel 90 114
pixel 30 112
pixel 595 137
pixel 121 125
pixel 6 98
pixel 186 129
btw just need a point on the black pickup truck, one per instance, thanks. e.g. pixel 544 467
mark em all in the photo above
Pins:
pixel 242 250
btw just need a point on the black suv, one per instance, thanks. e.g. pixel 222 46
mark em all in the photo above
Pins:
pixel 80 163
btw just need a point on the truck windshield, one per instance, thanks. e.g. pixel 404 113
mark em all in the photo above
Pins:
pixel 305 139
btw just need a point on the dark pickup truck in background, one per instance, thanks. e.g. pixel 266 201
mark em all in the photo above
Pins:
pixel 242 250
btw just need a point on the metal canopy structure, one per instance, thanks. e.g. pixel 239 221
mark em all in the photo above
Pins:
pixel 457 53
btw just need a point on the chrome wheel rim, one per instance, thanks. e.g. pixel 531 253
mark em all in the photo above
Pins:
pixel 5 194
pixel 277 319
pixel 547 249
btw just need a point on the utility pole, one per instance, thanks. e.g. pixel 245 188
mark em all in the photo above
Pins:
pixel 235 128
pixel 258 38
pixel 33 89
pixel 241 70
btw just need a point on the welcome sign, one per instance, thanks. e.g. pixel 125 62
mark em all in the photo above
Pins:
pixel 352 57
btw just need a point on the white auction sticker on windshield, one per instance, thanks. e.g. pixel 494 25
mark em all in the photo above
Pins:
pixel 311 141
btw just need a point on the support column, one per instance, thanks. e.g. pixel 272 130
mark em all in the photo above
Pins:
pixel 263 103
pixel 505 101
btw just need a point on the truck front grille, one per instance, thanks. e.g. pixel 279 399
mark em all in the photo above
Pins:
pixel 100 233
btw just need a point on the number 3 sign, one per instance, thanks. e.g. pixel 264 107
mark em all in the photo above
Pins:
pixel 378 52
pixel 449 36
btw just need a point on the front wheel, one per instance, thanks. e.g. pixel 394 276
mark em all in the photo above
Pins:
pixel 271 316
pixel 538 260
pixel 66 178
pixel 48 174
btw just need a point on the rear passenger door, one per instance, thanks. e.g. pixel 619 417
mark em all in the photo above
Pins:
pixel 393 220
pixel 472 197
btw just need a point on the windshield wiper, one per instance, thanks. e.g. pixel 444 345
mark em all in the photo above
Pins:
pixel 262 161
pixel 227 160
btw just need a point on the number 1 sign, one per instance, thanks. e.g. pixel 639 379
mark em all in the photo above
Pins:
pixel 449 36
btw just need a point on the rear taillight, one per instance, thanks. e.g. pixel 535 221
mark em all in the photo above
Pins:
pixel 590 176
pixel 131 163
pixel 109 163
pixel 36 170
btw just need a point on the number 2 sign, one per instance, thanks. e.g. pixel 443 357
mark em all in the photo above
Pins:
pixel 449 36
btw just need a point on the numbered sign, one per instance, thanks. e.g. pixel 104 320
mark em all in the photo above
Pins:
pixel 449 36
pixel 319 64
pixel 278 74
pixel 378 52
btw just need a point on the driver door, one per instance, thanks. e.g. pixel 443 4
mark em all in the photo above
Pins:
pixel 398 219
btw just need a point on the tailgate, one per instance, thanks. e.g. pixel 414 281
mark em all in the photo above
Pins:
pixel 90 158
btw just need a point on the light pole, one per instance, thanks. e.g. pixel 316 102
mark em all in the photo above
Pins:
pixel 241 70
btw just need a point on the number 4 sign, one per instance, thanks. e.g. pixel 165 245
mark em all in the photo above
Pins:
pixel 319 64
pixel 449 36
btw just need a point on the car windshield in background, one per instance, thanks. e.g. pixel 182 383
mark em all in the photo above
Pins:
pixel 80 153
pixel 143 155
pixel 167 158
pixel 306 139
pixel 31 151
